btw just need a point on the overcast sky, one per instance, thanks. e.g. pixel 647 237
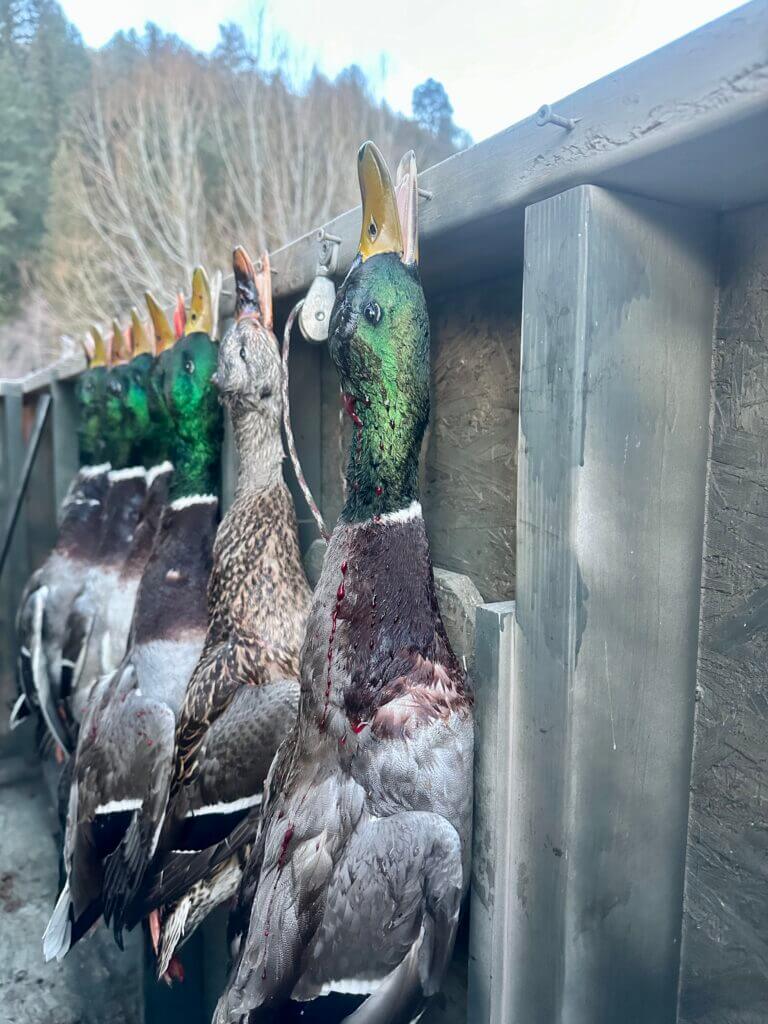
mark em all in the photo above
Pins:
pixel 499 61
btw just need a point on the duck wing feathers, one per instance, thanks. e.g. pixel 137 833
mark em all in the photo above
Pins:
pixel 121 782
pixel 33 669
pixel 241 662
pixel 333 879
pixel 216 812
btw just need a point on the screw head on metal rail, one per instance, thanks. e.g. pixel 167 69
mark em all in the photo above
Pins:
pixel 546 115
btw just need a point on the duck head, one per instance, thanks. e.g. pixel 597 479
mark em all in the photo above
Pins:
pixel 119 422
pixel 249 375
pixel 90 391
pixel 164 339
pixel 183 377
pixel 150 439
pixel 379 341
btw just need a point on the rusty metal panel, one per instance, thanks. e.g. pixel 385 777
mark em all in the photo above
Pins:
pixel 618 302
pixel 724 974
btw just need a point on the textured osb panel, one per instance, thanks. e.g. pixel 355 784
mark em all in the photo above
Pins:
pixel 724 973
pixel 469 458
pixel 469 482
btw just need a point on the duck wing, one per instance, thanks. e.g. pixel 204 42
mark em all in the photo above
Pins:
pixel 29 646
pixel 327 897
pixel 240 662
pixel 146 727
pixel 33 670
pixel 77 636
pixel 121 781
pixel 215 812
pixel 232 762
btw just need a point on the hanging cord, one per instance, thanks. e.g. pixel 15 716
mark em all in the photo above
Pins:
pixel 287 425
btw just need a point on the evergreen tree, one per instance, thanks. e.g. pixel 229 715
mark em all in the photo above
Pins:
pixel 434 113
pixel 42 64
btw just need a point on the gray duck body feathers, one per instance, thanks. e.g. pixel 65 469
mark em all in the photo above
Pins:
pixel 363 855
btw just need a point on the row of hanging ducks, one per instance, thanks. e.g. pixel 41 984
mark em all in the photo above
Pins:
pixel 229 736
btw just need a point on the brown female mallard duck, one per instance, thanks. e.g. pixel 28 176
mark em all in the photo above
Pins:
pixel 243 695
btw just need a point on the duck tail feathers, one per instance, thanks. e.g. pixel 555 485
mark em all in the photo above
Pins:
pixel 57 937
pixel 124 873
pixel 172 935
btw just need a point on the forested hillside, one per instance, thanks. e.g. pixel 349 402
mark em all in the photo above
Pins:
pixel 123 167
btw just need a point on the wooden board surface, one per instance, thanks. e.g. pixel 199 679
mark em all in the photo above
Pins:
pixel 724 978
pixel 618 303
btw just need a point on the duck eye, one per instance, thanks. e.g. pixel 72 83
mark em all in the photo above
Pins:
pixel 189 366
pixel 242 353
pixel 372 313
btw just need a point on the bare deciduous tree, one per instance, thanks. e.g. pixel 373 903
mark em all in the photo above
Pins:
pixel 182 157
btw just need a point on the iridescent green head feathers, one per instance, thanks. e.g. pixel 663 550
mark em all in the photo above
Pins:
pixel 379 341
pixel 183 380
pixel 90 393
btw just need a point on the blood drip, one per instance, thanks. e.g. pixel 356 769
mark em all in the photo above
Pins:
pixel 334 620
pixel 287 837
pixel 175 969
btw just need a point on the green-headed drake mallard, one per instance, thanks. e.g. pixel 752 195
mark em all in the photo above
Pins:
pixel 48 595
pixel 101 617
pixel 127 737
pixel 356 877
pixel 243 696
pixel 154 428
pixel 88 649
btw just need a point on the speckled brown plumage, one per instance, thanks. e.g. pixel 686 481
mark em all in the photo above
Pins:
pixel 258 601
pixel 242 698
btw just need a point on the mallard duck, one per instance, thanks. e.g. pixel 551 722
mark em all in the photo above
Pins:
pixel 164 338
pixel 243 695
pixel 50 591
pixel 152 430
pixel 47 597
pixel 150 423
pixel 94 441
pixel 118 422
pixel 357 875
pixel 100 618
pixel 85 645
pixel 126 739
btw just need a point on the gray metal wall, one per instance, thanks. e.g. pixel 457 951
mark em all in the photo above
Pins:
pixel 724 974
